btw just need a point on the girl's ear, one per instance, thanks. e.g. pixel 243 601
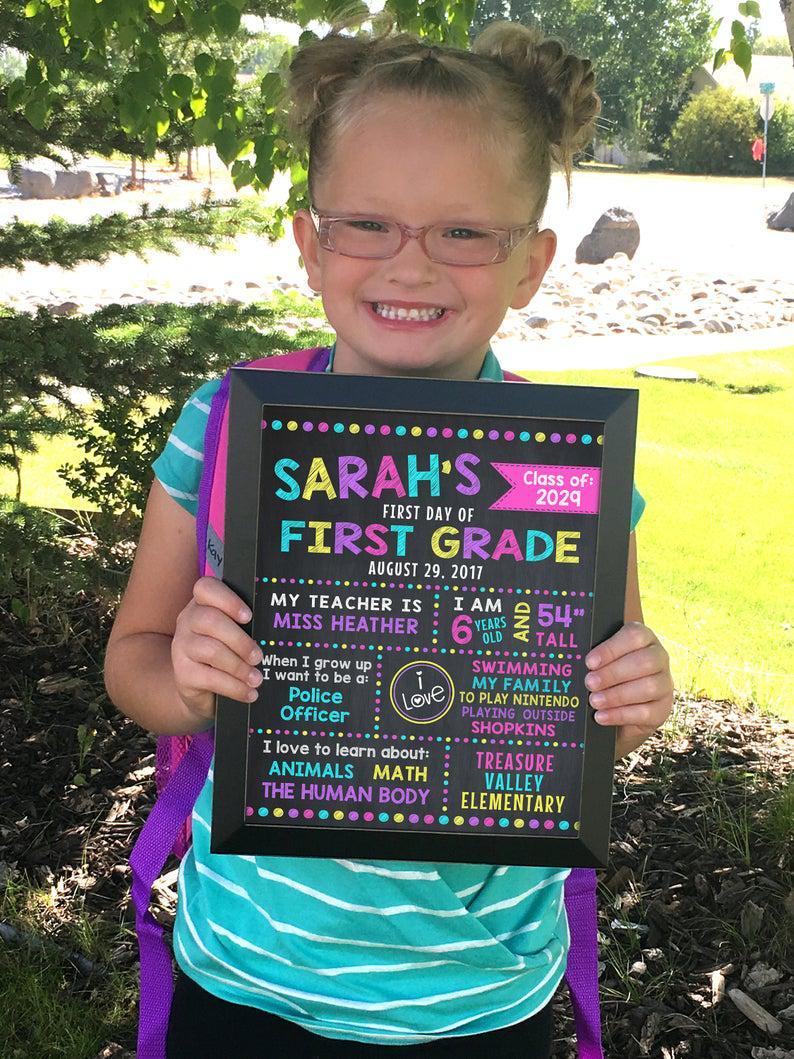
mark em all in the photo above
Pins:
pixel 306 237
pixel 541 250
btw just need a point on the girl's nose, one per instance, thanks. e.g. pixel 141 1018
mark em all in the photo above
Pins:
pixel 411 264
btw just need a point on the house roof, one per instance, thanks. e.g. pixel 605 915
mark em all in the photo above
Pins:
pixel 776 68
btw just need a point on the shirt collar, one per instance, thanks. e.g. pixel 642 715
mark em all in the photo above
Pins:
pixel 491 370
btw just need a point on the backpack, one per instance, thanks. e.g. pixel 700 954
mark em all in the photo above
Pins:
pixel 182 764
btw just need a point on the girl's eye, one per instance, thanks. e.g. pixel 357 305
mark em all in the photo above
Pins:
pixel 465 233
pixel 368 226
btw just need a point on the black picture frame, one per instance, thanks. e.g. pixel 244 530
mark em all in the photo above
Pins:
pixel 336 396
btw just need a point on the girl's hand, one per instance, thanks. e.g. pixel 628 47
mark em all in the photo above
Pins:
pixel 210 652
pixel 630 684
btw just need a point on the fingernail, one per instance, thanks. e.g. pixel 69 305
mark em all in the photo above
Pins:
pixel 597 699
pixel 255 657
pixel 592 661
pixel 592 680
pixel 600 717
pixel 252 696
pixel 245 614
pixel 254 678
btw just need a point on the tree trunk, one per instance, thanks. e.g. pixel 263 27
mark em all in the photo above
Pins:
pixel 134 169
pixel 177 161
pixel 787 7
pixel 17 469
pixel 189 173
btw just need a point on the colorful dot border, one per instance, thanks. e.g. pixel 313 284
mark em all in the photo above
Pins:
pixel 445 432
pixel 335 645
pixel 329 817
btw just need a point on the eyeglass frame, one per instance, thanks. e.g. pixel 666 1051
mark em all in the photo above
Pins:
pixel 507 244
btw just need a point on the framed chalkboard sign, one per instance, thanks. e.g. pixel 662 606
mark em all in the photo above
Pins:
pixel 427 563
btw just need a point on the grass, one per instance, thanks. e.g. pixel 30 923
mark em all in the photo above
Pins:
pixel 45 1017
pixel 49 1009
pixel 41 484
pixel 715 542
pixel 666 174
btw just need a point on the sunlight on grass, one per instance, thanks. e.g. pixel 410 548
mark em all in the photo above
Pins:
pixel 715 542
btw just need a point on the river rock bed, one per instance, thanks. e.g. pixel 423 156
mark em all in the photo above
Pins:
pixel 616 297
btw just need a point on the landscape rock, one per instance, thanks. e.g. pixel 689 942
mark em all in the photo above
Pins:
pixel 110 183
pixel 64 309
pixel 73 185
pixel 33 184
pixel 616 297
pixel 783 219
pixel 615 232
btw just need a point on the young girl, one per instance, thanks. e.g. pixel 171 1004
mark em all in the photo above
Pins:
pixel 429 172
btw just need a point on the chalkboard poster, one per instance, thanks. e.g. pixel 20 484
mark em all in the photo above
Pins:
pixel 427 564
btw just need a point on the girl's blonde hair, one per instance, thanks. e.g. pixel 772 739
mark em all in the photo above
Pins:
pixel 522 82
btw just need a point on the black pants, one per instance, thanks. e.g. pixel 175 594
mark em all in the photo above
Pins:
pixel 205 1027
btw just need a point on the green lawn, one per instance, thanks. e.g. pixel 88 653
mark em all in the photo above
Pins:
pixel 664 174
pixel 715 543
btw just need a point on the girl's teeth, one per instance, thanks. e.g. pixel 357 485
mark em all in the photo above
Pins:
pixel 406 314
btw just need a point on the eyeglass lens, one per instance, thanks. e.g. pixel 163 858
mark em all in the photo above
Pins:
pixel 454 246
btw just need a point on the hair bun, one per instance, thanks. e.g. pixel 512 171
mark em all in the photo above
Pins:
pixel 318 71
pixel 558 82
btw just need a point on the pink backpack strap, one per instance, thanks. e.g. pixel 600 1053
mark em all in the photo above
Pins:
pixel 212 490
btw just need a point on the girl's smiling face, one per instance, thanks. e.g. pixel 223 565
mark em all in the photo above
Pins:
pixel 420 162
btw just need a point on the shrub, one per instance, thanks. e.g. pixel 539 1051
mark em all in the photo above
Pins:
pixel 772 44
pixel 138 365
pixel 62 243
pixel 713 134
pixel 780 144
pixel 44 555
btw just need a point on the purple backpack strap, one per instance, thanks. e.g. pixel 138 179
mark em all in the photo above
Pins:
pixel 147 860
pixel 582 970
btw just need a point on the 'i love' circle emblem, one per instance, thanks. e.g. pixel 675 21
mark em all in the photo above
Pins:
pixel 422 692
